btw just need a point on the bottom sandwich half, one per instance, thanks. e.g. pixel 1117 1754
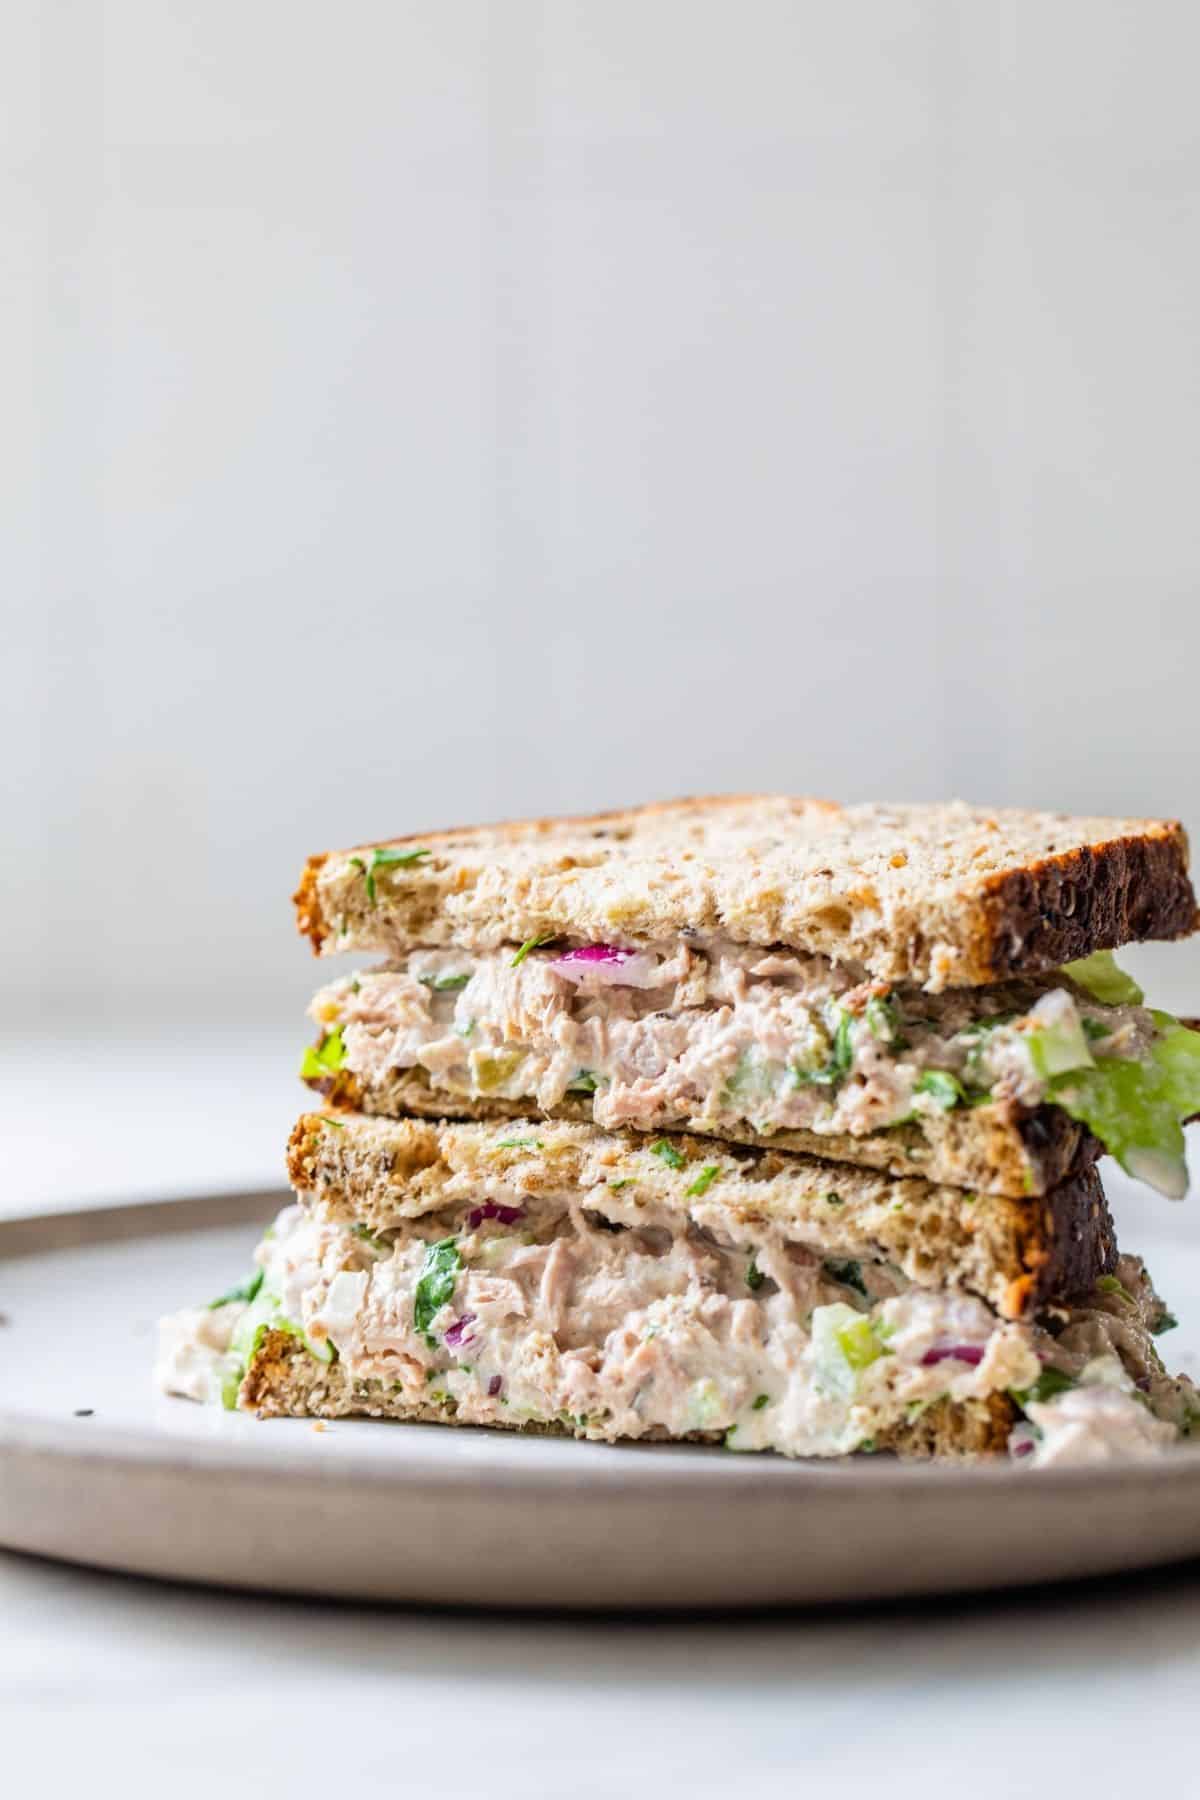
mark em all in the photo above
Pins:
pixel 554 1277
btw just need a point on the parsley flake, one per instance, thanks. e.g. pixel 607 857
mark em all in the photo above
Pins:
pixel 533 943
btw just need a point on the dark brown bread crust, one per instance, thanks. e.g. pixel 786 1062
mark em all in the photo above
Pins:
pixel 1094 898
pixel 284 1381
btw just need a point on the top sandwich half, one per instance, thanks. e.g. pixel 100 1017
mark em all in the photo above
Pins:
pixel 776 969
pixel 938 896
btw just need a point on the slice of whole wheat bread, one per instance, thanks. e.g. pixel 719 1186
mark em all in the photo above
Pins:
pixel 1015 1254
pixel 284 1381
pixel 947 896
pixel 999 1149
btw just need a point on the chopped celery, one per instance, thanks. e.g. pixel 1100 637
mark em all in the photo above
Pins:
pixel 494 1069
pixel 245 1290
pixel 325 1058
pixel 262 1315
pixel 1056 1039
pixel 845 1342
pixel 943 1088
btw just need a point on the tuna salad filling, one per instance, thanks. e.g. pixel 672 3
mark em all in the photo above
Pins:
pixel 619 1325
pixel 720 1036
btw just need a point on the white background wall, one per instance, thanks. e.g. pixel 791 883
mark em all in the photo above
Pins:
pixel 415 413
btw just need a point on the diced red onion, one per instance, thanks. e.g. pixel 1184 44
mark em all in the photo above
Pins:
pixel 1023 1447
pixel 491 1209
pixel 494 1385
pixel 967 1353
pixel 608 965
pixel 457 1333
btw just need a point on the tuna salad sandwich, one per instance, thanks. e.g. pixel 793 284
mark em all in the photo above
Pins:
pixel 558 1278
pixel 760 1122
pixel 924 990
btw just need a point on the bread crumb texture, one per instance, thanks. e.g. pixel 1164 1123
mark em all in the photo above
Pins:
pixel 945 896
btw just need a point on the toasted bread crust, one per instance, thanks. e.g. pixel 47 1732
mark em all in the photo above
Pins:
pixel 1096 897
pixel 1015 1254
pixel 284 1381
pixel 944 896
pixel 999 1149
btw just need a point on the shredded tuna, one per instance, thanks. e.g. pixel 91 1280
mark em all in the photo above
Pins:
pixel 716 1035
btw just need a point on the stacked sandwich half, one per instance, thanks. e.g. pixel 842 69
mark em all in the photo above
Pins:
pixel 757 1121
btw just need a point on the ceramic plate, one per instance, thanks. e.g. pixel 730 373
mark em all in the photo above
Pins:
pixel 95 1467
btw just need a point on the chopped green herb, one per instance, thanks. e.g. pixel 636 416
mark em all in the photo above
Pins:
pixel 834 1200
pixel 625 1181
pixel 1109 1284
pixel 444 984
pixel 868 1447
pixel 325 1058
pixel 1094 1030
pixel 849 1274
pixel 1166 1322
pixel 946 1089
pixel 245 1290
pixel 1049 1383
pixel 754 1275
pixel 533 943
pixel 703 1181
pixel 367 1236
pixel 583 1083
pixel 464 1031
pixel 760 1400
pixel 669 1154
pixel 333 1124
pixel 385 857
pixel 439 1272
pixel 520 1144
pixel 841 1057
pixel 883 1018
pixel 843 1049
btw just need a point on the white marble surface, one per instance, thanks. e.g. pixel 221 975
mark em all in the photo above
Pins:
pixel 113 1685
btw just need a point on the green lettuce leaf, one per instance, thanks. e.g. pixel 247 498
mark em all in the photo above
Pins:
pixel 1099 976
pixel 1137 1109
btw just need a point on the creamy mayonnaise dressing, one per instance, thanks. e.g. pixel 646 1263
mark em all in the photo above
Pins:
pixel 620 1331
pixel 710 1034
